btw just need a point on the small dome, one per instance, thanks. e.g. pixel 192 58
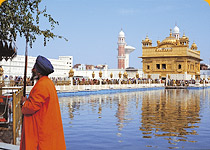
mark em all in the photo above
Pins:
pixel 194 46
pixel 121 34
pixel 184 37
pixel 147 40
pixel 176 29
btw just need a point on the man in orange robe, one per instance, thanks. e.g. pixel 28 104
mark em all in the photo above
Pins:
pixel 42 125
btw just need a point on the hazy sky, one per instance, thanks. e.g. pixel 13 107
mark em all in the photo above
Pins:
pixel 92 28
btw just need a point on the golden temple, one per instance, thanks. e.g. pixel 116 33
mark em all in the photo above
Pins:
pixel 172 56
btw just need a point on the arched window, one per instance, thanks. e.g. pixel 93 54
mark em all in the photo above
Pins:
pixel 179 66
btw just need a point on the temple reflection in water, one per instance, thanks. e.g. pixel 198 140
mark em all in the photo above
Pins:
pixel 169 116
pixel 170 113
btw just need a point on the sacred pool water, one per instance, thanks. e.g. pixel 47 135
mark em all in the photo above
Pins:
pixel 157 119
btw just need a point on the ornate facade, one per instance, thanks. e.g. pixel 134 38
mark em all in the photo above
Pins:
pixel 172 56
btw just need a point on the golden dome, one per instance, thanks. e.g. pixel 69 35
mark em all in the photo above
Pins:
pixel 184 40
pixel 71 73
pixel 184 37
pixel 194 46
pixel 147 39
pixel 170 39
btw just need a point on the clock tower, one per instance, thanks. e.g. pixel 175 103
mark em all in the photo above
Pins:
pixel 121 50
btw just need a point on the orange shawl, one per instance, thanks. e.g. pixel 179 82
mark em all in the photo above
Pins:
pixel 42 126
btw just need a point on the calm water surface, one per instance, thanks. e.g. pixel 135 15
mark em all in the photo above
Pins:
pixel 159 119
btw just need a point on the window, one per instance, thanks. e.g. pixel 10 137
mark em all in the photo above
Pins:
pixel 158 66
pixel 179 66
pixel 148 67
pixel 163 66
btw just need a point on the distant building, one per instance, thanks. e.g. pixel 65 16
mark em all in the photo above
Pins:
pixel 203 67
pixel 89 67
pixel 76 66
pixel 82 67
pixel 123 51
pixel 62 65
pixel 172 58
pixel 101 67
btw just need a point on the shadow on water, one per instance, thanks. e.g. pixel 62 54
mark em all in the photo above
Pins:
pixel 160 119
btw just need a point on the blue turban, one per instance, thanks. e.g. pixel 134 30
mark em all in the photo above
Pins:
pixel 43 66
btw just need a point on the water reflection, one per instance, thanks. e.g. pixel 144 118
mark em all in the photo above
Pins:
pixel 170 113
pixel 168 117
pixel 121 111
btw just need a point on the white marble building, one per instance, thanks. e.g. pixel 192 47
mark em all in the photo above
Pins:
pixel 62 65
pixel 87 74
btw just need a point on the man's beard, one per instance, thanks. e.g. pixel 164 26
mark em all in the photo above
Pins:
pixel 34 76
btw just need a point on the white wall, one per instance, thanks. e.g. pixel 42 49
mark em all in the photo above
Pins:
pixel 17 65
pixel 106 73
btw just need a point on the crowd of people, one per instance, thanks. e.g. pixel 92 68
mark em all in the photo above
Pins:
pixel 172 82
pixel 15 81
pixel 83 81
pixel 18 81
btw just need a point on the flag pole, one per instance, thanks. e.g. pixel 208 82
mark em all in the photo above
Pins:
pixel 24 88
pixel 25 71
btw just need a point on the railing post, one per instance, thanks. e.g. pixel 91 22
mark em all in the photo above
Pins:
pixel 14 116
pixel 17 120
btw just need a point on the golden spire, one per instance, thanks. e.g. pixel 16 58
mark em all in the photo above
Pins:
pixel 170 32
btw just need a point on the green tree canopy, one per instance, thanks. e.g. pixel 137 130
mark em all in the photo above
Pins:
pixel 22 17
